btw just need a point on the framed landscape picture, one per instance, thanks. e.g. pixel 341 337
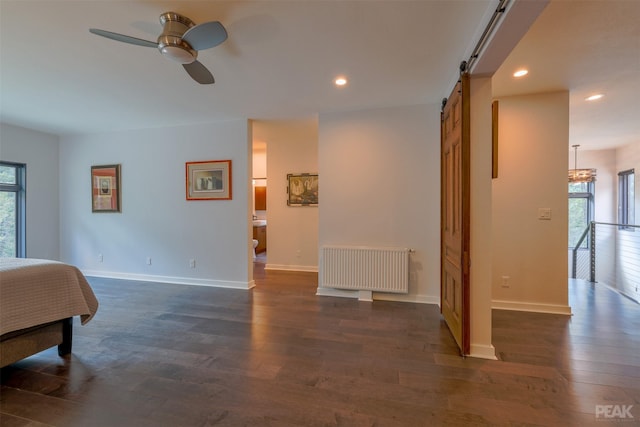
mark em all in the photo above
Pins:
pixel 302 189
pixel 105 188
pixel 208 180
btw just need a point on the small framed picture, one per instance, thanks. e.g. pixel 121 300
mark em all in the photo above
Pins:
pixel 105 188
pixel 302 189
pixel 209 180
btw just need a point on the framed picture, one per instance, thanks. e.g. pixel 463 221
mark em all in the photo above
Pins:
pixel 209 180
pixel 105 188
pixel 302 189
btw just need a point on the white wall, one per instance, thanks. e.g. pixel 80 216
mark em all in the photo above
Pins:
pixel 481 239
pixel 39 151
pixel 292 232
pixel 533 158
pixel 380 186
pixel 156 220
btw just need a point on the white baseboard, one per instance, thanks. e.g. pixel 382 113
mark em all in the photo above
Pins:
pixel 170 279
pixel 284 267
pixel 621 292
pixel 481 351
pixel 418 299
pixel 532 307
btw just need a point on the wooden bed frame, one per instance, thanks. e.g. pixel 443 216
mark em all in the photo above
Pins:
pixel 23 343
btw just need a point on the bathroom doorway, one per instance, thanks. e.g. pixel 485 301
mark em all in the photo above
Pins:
pixel 259 182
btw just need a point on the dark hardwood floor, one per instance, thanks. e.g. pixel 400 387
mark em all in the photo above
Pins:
pixel 171 355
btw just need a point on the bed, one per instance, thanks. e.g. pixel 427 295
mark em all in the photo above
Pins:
pixel 38 300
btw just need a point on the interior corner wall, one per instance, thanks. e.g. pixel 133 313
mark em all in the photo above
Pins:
pixel 380 186
pixel 157 221
pixel 292 232
pixel 39 151
pixel 529 254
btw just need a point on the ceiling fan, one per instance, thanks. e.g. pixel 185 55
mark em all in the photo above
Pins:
pixel 181 39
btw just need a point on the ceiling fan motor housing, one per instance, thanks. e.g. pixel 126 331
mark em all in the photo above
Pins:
pixel 170 42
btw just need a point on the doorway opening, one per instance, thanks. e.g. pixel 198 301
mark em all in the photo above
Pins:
pixel 259 218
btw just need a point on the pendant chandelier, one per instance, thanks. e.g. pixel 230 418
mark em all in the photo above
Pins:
pixel 580 175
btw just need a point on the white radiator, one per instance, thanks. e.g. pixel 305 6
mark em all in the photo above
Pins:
pixel 365 268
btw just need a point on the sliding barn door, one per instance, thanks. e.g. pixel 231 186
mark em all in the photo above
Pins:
pixel 455 215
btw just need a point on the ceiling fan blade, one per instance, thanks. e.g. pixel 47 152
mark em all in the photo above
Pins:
pixel 205 35
pixel 199 73
pixel 122 38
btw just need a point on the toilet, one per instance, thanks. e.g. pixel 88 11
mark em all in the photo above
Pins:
pixel 255 244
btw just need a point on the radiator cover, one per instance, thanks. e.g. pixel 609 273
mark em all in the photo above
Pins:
pixel 365 268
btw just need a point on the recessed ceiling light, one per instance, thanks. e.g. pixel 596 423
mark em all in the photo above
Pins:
pixel 340 81
pixel 521 73
pixel 594 97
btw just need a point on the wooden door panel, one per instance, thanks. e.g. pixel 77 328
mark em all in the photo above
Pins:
pixel 454 287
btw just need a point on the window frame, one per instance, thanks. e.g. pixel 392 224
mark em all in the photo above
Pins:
pixel 626 200
pixel 19 188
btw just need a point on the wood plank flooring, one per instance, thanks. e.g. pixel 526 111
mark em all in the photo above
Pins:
pixel 172 355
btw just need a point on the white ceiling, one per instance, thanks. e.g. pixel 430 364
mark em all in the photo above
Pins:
pixel 585 47
pixel 281 57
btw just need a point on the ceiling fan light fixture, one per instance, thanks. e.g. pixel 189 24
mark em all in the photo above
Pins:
pixel 176 49
pixel 178 54
pixel 180 41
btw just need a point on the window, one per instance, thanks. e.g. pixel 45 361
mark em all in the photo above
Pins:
pixel 626 199
pixel 12 210
pixel 581 207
